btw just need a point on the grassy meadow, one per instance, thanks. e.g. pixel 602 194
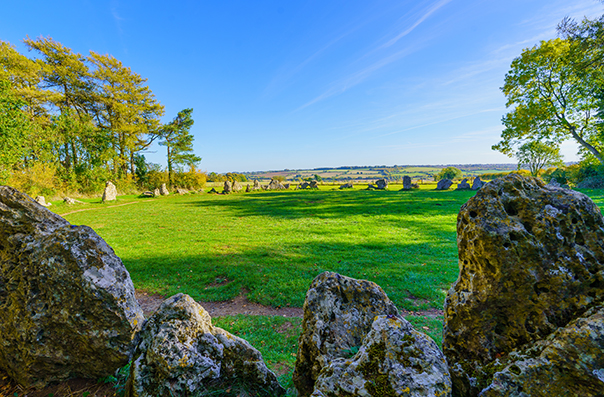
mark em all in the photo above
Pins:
pixel 269 245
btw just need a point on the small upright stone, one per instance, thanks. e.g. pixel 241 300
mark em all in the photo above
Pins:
pixel 237 187
pixel 338 313
pixel 463 185
pixel 444 184
pixel 110 192
pixel 347 185
pixel 227 187
pixel 275 185
pixel 477 183
pixel 42 201
pixel 256 184
pixel 180 353
pixel 248 188
pixel 163 190
pixel 381 184
pixel 181 191
pixel 406 182
pixel 156 192
pixel 314 184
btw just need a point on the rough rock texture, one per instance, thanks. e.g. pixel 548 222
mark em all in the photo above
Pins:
pixel 314 185
pixel 531 261
pixel 42 201
pixel 406 182
pixel 463 185
pixel 444 184
pixel 67 305
pixel 303 185
pixel 394 360
pixel 348 185
pixel 554 183
pixel 227 188
pixel 110 192
pixel 256 184
pixel 156 192
pixel 338 313
pixel 477 183
pixel 181 191
pixel 381 184
pixel 163 190
pixel 275 185
pixel 570 363
pixel 248 188
pixel 237 187
pixel 180 353
pixel 286 185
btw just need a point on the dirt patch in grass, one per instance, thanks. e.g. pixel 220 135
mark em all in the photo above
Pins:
pixel 70 388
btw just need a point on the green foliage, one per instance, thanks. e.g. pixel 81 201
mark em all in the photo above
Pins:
pixel 536 154
pixel 318 178
pixel 449 173
pixel 553 97
pixel 177 139
pixel 14 129
pixel 192 179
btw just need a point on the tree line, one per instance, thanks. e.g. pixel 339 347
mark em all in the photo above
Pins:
pixel 555 91
pixel 81 120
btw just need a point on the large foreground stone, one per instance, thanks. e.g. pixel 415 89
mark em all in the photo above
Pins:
pixel 338 313
pixel 394 360
pixel 67 306
pixel 180 353
pixel 531 263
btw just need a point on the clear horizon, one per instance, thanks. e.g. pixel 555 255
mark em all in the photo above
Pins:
pixel 313 84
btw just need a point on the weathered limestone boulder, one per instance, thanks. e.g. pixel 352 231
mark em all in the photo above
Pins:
pixel 227 188
pixel 348 185
pixel 444 184
pixel 248 188
pixel 148 194
pixel 286 185
pixel 237 187
pixel 314 184
pixel 275 185
pixel 531 261
pixel 554 183
pixel 110 192
pixel 42 201
pixel 303 185
pixel 463 185
pixel 338 313
pixel 394 360
pixel 163 190
pixel 67 305
pixel 180 353
pixel 569 362
pixel 70 201
pixel 256 184
pixel 181 191
pixel 477 183
pixel 406 182
pixel 381 184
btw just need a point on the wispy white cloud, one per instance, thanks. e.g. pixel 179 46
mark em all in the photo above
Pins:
pixel 426 14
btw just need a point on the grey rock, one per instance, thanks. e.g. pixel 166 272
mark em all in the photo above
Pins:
pixel 163 190
pixel 348 185
pixel 237 187
pixel 531 261
pixel 314 184
pixel 67 305
pixel 181 191
pixel 303 185
pixel 394 360
pixel 42 201
pixel 477 183
pixel 180 353
pixel 212 191
pixel 275 185
pixel 406 182
pixel 338 313
pixel 70 201
pixel 148 194
pixel 286 185
pixel 248 188
pixel 381 184
pixel 256 184
pixel 444 184
pixel 554 183
pixel 156 192
pixel 463 185
pixel 110 192
pixel 227 187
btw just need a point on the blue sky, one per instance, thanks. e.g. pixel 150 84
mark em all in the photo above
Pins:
pixel 305 84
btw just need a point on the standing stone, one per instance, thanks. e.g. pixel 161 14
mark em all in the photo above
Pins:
pixel 286 185
pixel 180 353
pixel 444 184
pixel 227 188
pixel 314 184
pixel 248 188
pixel 67 305
pixel 303 185
pixel 156 192
pixel 181 191
pixel 463 185
pixel 42 201
pixel 275 185
pixel 531 261
pixel 256 184
pixel 394 360
pixel 406 182
pixel 381 184
pixel 110 192
pixel 348 185
pixel 163 190
pixel 477 184
pixel 338 313
pixel 237 187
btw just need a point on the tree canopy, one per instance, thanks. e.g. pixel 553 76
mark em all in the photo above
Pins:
pixel 535 155
pixel 449 173
pixel 177 139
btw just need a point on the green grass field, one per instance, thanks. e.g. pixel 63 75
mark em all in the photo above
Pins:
pixel 270 245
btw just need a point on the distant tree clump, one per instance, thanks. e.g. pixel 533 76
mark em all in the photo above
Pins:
pixel 535 155
pixel 177 139
pixel 449 173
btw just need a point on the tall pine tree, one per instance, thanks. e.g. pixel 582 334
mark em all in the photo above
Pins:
pixel 177 139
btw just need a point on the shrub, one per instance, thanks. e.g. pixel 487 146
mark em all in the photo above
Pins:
pixel 193 179
pixel 39 179
pixel 449 173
